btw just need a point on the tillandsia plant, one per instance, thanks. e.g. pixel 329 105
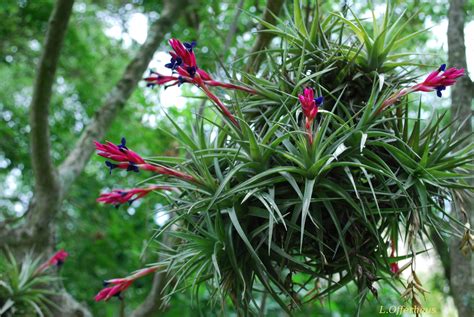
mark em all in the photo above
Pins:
pixel 23 285
pixel 321 166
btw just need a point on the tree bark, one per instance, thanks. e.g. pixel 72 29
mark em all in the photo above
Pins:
pixel 461 93
pixel 461 267
pixel 45 173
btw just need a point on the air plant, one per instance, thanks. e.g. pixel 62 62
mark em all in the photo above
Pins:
pixel 299 194
pixel 23 284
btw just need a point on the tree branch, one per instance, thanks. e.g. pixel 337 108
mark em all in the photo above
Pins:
pixel 272 8
pixel 42 164
pixel 46 181
pixel 75 162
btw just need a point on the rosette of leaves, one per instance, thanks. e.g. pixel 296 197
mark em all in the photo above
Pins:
pixel 24 291
pixel 272 214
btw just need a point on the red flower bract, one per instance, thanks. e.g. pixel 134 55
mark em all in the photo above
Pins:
pixel 56 260
pixel 186 54
pixel 121 196
pixel 121 284
pixel 394 268
pixel 127 159
pixel 439 80
pixel 185 70
pixel 109 292
pixel 310 107
pixel 159 79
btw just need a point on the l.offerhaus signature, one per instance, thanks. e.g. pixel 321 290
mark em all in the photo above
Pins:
pixel 398 310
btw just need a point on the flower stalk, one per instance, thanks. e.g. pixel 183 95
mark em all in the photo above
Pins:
pixel 115 287
pixel 310 107
pixel 185 70
pixel 437 80
pixel 121 196
pixel 57 260
pixel 124 158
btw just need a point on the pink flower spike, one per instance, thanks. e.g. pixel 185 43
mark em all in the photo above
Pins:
pixel 184 52
pixel 183 59
pixel 439 80
pixel 126 158
pixel 109 292
pixel 204 75
pixel 119 196
pixel 57 259
pixel 310 107
pixel 104 293
pixel 121 284
pixel 185 70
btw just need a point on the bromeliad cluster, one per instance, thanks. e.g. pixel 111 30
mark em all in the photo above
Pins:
pixel 185 70
pixel 245 194
pixel 28 283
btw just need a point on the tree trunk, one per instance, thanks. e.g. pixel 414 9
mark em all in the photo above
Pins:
pixel 461 267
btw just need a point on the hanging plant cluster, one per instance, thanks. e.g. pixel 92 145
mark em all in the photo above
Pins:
pixel 320 165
